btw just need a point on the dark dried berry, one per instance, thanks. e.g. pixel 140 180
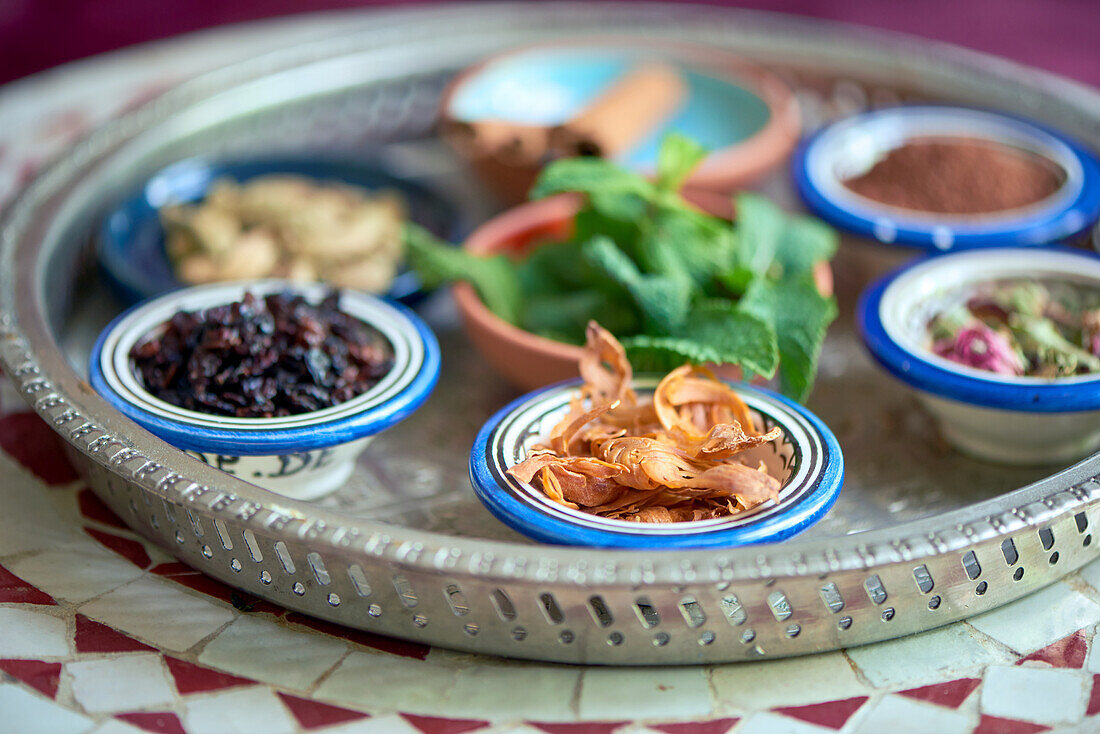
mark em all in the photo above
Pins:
pixel 256 358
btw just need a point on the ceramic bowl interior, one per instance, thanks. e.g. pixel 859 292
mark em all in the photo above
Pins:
pixel 806 459
pixel 896 313
pixel 850 147
pixel 405 387
pixel 132 252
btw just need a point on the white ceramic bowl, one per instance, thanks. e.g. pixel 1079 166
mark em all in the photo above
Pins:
pixel 1011 420
pixel 302 456
pixel 807 458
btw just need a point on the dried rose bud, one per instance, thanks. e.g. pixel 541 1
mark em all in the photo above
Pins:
pixel 983 348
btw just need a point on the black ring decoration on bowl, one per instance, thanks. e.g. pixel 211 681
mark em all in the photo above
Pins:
pixel 131 239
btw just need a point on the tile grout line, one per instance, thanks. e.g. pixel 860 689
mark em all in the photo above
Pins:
pixel 993 644
pixel 857 671
pixel 312 688
pixel 575 699
pixel 1078 584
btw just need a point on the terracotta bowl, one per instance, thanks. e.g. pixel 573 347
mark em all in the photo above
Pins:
pixel 509 159
pixel 527 360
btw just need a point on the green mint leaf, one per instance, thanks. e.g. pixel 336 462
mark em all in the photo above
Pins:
pixel 620 206
pixel 658 253
pixel 590 176
pixel 663 301
pixel 735 338
pixel 590 223
pixel 564 316
pixel 734 331
pixel 704 245
pixel 555 268
pixel 760 225
pixel 677 157
pixel 800 316
pixel 604 255
pixel 804 243
pixel 737 280
pixel 437 262
pixel 662 354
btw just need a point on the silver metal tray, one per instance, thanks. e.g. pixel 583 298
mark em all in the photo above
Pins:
pixel 921 536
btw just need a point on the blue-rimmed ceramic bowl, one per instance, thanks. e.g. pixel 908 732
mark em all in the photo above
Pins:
pixel 131 240
pixel 850 147
pixel 301 456
pixel 807 459
pixel 1014 420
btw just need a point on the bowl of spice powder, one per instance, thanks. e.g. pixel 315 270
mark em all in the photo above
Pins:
pixel 281 384
pixel 949 178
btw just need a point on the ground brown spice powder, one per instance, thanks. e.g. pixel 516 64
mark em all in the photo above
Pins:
pixel 958 176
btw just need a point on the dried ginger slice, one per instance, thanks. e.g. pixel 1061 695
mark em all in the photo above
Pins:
pixel 563 434
pixel 687 405
pixel 653 514
pixel 583 487
pixel 726 439
pixel 629 501
pixel 637 419
pixel 552 488
pixel 610 383
pixel 652 464
pixel 581 480
pixel 751 486
pixel 649 463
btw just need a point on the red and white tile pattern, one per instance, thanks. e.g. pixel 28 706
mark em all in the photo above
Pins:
pixel 104 634
pixel 101 632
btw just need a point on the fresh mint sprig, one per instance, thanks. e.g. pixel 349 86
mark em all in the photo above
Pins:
pixel 674 284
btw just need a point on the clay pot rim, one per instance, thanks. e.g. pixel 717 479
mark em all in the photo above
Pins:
pixel 486 239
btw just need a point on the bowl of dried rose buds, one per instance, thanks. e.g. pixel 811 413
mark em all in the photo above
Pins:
pixel 685 460
pixel 306 219
pixel 278 383
pixel 1002 347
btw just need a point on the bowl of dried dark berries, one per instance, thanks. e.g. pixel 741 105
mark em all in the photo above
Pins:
pixel 278 383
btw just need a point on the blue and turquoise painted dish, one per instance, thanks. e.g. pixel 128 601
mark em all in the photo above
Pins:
pixel 1002 418
pixel 745 116
pixel 302 456
pixel 132 254
pixel 807 458
pixel 849 147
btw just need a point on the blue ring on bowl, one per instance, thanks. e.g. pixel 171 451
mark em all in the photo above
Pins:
pixel 1040 396
pixel 517 508
pixel 1066 215
pixel 260 441
pixel 131 242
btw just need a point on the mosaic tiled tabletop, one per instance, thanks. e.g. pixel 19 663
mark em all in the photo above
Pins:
pixel 101 632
